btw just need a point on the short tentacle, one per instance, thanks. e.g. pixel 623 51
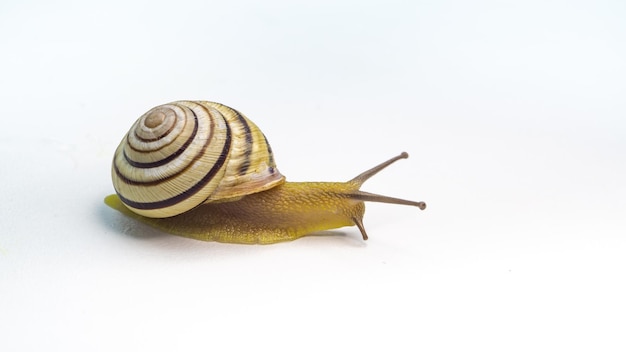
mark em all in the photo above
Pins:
pixel 359 223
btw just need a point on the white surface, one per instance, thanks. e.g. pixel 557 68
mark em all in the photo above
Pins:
pixel 513 114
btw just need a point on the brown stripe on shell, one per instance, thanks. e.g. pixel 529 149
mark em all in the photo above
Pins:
pixel 157 138
pixel 130 145
pixel 245 165
pixel 128 181
pixel 271 162
pixel 172 156
pixel 190 191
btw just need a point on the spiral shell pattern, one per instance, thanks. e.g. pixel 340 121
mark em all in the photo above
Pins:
pixel 182 154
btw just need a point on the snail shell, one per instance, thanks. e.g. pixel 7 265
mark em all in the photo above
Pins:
pixel 182 154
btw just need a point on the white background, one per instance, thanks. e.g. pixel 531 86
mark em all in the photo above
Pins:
pixel 513 113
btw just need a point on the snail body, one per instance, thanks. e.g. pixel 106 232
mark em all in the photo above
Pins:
pixel 224 186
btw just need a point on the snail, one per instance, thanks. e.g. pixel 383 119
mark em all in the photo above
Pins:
pixel 203 170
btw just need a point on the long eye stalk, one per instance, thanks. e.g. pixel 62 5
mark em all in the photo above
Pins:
pixel 370 197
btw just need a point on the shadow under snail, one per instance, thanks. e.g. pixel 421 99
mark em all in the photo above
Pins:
pixel 203 170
